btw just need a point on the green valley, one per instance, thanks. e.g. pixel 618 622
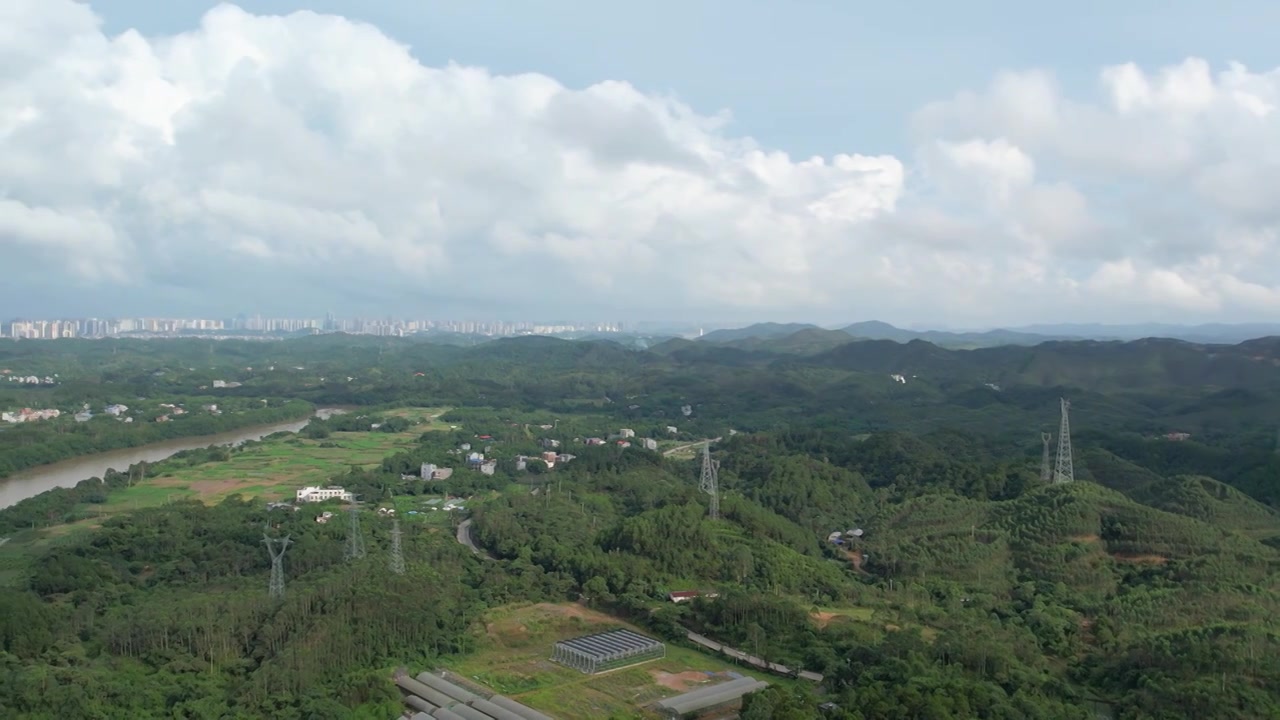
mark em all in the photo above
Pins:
pixel 891 537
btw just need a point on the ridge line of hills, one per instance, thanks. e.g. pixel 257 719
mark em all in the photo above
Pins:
pixel 1095 365
pixel 1213 333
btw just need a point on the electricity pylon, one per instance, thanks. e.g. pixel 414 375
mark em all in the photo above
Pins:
pixel 276 546
pixel 1046 469
pixel 396 560
pixel 1064 471
pixel 355 541
pixel 709 483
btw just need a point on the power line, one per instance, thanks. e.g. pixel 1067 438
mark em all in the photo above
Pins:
pixel 709 482
pixel 276 546
pixel 396 561
pixel 1064 470
pixel 355 540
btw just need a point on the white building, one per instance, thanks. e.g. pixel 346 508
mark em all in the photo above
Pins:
pixel 319 494
pixel 29 415
pixel 626 433
pixel 650 444
pixel 428 471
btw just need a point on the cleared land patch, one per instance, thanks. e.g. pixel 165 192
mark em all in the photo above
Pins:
pixel 272 469
pixel 825 616
pixel 512 657
pixel 1140 559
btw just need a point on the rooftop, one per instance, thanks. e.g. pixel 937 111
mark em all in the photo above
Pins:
pixel 608 643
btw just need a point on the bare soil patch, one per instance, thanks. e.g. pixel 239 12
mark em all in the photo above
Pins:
pixel 680 682
pixel 569 611
pixel 1140 559
pixel 514 629
pixel 855 557
pixel 1084 538
pixel 823 618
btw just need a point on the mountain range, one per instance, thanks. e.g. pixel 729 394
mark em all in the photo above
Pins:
pixel 1216 333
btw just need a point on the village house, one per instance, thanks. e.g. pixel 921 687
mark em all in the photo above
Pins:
pixel 314 493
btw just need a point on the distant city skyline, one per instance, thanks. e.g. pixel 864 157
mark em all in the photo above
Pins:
pixel 245 325
pixel 59 328
pixel 980 165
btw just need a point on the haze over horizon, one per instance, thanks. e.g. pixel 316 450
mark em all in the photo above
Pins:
pixel 571 161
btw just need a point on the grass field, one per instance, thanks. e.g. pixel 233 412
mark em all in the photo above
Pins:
pixel 17 550
pixel 825 616
pixel 274 469
pixel 512 659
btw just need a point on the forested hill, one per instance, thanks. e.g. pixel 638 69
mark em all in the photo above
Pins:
pixel 963 584
pixel 1137 364
pixel 1150 386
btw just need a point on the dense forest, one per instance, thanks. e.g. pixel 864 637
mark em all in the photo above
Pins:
pixel 1147 589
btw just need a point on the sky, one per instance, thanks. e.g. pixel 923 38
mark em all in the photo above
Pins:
pixel 925 163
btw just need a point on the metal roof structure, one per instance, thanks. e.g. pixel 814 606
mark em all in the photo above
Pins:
pixel 708 697
pixel 438 698
pixel 607 651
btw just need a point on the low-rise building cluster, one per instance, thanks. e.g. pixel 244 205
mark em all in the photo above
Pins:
pixel 29 415
pixel 29 379
pixel 313 493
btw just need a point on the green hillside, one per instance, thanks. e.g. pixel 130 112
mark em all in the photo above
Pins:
pixel 961 584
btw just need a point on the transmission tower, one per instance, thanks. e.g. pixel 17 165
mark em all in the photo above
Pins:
pixel 1064 471
pixel 396 561
pixel 355 541
pixel 709 483
pixel 1046 469
pixel 276 546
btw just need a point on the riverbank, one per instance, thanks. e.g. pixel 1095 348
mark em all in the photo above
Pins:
pixel 28 448
pixel 68 473
pixel 270 470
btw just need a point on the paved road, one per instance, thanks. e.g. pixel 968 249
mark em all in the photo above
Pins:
pixel 464 536
pixel 686 446
pixel 737 654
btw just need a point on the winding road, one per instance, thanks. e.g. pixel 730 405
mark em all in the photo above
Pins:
pixel 686 446
pixel 464 537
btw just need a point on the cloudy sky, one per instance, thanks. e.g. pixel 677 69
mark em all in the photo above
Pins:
pixel 949 164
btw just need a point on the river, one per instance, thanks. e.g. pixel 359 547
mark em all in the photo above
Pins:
pixel 33 481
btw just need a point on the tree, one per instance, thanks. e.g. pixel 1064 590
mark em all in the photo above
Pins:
pixel 743 562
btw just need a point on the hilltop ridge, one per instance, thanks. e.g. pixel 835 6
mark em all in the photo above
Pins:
pixel 1214 333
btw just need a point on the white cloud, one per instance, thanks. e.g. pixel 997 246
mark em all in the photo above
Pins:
pixel 319 153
